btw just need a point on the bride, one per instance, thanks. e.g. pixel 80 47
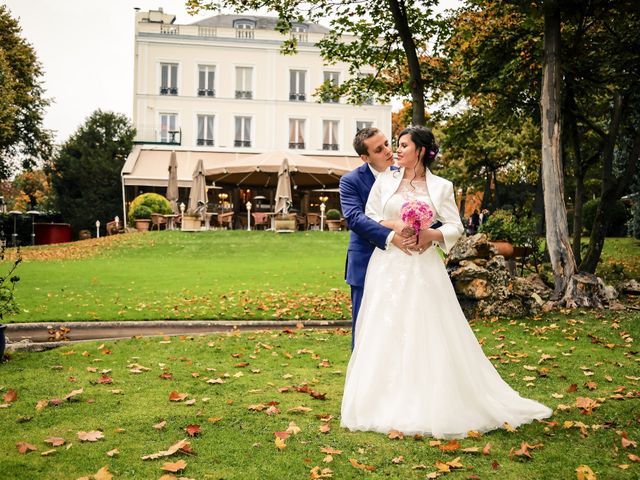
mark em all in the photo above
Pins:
pixel 417 366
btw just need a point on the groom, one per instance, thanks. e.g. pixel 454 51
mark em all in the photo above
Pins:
pixel 366 234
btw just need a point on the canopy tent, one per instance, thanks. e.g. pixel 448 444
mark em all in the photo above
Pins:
pixel 198 192
pixel 172 187
pixel 283 191
pixel 262 171
pixel 147 167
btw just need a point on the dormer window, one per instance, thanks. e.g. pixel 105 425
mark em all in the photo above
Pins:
pixel 244 28
pixel 300 31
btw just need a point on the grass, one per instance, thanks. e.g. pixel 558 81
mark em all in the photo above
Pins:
pixel 176 275
pixel 540 357
pixel 209 275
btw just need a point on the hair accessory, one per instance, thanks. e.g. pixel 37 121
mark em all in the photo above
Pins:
pixel 432 153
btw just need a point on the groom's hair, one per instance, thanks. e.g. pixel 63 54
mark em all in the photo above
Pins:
pixel 362 135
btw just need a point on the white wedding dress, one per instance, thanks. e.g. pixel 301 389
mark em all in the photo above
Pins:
pixel 416 366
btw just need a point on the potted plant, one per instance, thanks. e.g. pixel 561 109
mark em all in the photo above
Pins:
pixel 152 203
pixel 501 228
pixel 333 219
pixel 142 218
pixel 285 222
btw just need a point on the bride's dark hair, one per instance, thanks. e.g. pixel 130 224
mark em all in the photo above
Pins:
pixel 425 143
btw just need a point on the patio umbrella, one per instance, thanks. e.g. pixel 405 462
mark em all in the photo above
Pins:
pixel 283 190
pixel 172 186
pixel 198 193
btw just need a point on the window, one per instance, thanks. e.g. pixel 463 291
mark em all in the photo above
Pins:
pixel 361 124
pixel 244 28
pixel 367 99
pixel 205 130
pixel 296 133
pixel 330 135
pixel 297 85
pixel 243 82
pixel 334 79
pixel 206 81
pixel 168 127
pixel 243 132
pixel 300 33
pixel 168 79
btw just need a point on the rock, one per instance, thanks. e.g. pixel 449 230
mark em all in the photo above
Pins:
pixel 469 248
pixel 630 287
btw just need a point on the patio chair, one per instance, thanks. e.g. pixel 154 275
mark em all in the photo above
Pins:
pixel 301 221
pixel 157 221
pixel 113 227
pixel 313 221
pixel 225 220
pixel 260 220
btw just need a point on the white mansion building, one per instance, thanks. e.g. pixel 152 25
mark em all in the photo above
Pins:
pixel 220 90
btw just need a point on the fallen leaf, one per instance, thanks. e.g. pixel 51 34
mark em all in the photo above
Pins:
pixel 92 436
pixel 451 446
pixel 330 451
pixel 103 474
pixel 395 434
pixel 397 460
pixel 193 430
pixel 161 425
pixel 24 447
pixel 316 473
pixel 72 394
pixel 293 429
pixel 41 404
pixel 54 441
pixel 177 397
pixel 328 459
pixel 280 444
pixel 48 452
pixel 583 472
pixel 299 409
pixel 633 457
pixel 113 452
pixel 507 426
pixel 572 388
pixel 361 466
pixel 10 396
pixel 324 428
pixel 170 451
pixel 174 467
pixel 487 449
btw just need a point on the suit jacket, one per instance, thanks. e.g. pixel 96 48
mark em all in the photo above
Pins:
pixel 366 234
pixel 442 197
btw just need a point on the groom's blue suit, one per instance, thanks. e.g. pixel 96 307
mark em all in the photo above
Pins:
pixel 366 234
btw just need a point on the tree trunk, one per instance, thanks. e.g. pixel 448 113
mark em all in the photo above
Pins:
pixel 612 187
pixel 417 83
pixel 557 232
pixel 579 170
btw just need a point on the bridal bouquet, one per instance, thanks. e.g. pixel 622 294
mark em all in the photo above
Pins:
pixel 416 214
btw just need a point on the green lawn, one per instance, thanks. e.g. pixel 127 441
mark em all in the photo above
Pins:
pixel 176 275
pixel 208 275
pixel 555 359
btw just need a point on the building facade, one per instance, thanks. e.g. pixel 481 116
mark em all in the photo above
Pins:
pixel 220 89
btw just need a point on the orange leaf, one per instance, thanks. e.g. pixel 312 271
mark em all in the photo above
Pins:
pixel 633 457
pixel 583 472
pixel 487 449
pixel 395 434
pixel 113 452
pixel 73 394
pixel 361 466
pixel 193 430
pixel 41 404
pixel 161 425
pixel 10 396
pixel 174 466
pixel 177 397
pixel 452 446
pixel 182 444
pixel 330 451
pixel 280 444
pixel 324 428
pixel 282 435
pixel 24 447
pixel 103 474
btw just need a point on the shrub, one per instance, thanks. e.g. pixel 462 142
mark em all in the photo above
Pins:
pixel 618 217
pixel 154 202
pixel 504 225
pixel 333 214
pixel 142 212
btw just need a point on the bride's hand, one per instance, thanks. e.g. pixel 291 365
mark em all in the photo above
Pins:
pixel 399 227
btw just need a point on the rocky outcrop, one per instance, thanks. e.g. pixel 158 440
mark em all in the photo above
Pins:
pixel 484 284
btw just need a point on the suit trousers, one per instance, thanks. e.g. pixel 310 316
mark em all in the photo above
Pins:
pixel 356 299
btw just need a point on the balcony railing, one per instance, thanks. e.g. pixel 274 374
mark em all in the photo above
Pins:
pixel 206 92
pixel 244 94
pixel 169 29
pixel 297 97
pixel 330 146
pixel 168 90
pixel 242 143
pixel 205 141
pixel 244 33
pixel 299 146
pixel 207 31
pixel 300 36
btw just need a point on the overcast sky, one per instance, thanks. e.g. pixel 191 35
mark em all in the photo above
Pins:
pixel 86 49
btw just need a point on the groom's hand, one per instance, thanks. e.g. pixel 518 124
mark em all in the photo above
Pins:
pixel 425 240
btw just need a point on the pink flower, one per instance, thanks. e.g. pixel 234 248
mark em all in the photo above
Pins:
pixel 416 214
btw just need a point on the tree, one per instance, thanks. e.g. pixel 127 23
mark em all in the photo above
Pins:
pixel 22 101
pixel 392 36
pixel 29 190
pixel 85 174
